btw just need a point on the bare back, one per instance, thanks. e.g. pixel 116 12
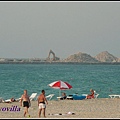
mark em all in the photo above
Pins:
pixel 41 98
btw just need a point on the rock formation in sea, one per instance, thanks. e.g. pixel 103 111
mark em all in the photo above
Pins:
pixel 106 57
pixel 81 57
pixel 118 60
pixel 54 56
pixel 103 57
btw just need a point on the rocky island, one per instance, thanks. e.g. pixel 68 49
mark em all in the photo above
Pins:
pixel 82 58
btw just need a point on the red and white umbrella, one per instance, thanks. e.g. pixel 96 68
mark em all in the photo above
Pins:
pixel 60 85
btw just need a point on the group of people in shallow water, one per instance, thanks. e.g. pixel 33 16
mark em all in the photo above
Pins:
pixel 42 101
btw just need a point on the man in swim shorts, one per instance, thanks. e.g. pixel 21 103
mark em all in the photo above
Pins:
pixel 26 102
pixel 41 103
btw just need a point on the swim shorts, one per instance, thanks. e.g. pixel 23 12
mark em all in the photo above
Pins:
pixel 26 104
pixel 42 105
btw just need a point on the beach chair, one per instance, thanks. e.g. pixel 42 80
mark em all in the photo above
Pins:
pixel 18 99
pixel 114 96
pixel 70 97
pixel 95 94
pixel 5 101
pixel 49 97
pixel 10 101
pixel 33 96
pixel 62 97
pixel 1 100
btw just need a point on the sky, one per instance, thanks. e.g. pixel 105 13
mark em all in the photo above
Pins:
pixel 31 29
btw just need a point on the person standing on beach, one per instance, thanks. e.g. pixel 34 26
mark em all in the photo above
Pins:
pixel 41 103
pixel 26 102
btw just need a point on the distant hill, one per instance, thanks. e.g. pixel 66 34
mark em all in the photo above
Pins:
pixel 103 57
pixel 106 57
pixel 81 57
pixel 118 60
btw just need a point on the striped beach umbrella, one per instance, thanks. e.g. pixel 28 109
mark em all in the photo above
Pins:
pixel 60 85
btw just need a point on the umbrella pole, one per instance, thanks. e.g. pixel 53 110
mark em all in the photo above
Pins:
pixel 59 93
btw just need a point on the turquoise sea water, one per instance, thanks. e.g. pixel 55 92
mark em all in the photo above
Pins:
pixel 14 78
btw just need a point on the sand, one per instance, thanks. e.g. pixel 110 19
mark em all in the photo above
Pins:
pixel 87 108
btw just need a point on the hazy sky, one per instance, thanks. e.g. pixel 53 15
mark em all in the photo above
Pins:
pixel 31 29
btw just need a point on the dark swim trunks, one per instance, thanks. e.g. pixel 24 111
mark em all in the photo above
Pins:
pixel 26 104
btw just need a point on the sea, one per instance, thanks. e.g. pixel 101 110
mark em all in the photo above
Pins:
pixel 15 78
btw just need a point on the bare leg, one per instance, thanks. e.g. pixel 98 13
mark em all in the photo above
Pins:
pixel 39 113
pixel 44 112
pixel 25 112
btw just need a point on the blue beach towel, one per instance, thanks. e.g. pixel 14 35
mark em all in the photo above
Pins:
pixel 78 97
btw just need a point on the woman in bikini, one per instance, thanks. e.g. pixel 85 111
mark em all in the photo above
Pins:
pixel 89 96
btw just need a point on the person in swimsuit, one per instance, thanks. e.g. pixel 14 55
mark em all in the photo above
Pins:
pixel 41 103
pixel 89 96
pixel 26 102
pixel 64 96
pixel 12 100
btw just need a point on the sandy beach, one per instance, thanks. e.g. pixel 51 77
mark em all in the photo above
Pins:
pixel 87 108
